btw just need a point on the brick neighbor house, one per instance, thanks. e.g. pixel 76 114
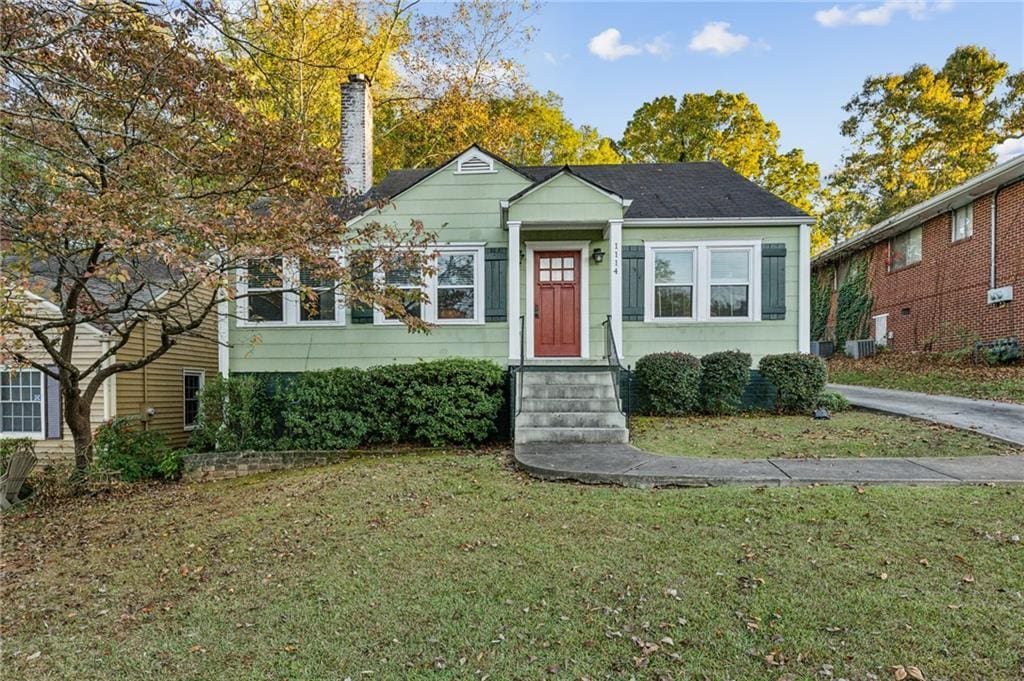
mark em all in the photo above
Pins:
pixel 940 276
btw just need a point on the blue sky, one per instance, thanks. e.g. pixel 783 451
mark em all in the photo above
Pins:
pixel 800 62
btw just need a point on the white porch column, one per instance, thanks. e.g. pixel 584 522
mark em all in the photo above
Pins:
pixel 804 324
pixel 615 297
pixel 513 289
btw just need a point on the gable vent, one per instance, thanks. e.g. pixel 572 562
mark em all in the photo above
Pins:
pixel 475 164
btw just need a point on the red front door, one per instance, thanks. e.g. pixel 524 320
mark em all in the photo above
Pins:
pixel 556 301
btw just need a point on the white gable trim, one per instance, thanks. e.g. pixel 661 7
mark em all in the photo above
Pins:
pixel 474 161
pixel 625 203
pixel 441 168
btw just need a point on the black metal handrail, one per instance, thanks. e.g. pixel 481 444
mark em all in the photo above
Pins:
pixel 614 364
pixel 522 367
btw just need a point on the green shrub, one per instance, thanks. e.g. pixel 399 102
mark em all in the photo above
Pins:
pixel 236 413
pixel 135 454
pixel 1001 351
pixel 798 378
pixel 669 382
pixel 323 410
pixel 451 401
pixel 834 402
pixel 723 377
pixel 387 394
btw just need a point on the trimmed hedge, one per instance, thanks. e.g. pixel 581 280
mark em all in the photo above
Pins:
pixel 799 379
pixel 670 382
pixel 324 410
pixel 239 413
pixel 724 375
pixel 450 401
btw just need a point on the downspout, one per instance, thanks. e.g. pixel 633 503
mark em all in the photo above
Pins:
pixel 992 241
pixel 145 378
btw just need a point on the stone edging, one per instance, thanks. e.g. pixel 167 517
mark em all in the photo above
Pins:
pixel 223 465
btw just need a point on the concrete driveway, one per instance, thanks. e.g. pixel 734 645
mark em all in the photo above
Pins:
pixel 996 419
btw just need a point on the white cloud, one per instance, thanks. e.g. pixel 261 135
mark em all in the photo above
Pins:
pixel 716 37
pixel 660 46
pixel 1008 149
pixel 608 45
pixel 879 15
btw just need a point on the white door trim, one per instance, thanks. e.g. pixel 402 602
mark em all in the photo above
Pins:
pixel 584 249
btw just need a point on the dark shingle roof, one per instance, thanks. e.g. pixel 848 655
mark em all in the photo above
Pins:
pixel 658 190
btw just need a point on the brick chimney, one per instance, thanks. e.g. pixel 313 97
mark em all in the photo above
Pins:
pixel 357 133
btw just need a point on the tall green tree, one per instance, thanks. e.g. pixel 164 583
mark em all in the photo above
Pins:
pixel 725 127
pixel 442 80
pixel 915 134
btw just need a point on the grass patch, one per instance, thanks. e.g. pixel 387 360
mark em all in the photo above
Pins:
pixel 453 567
pixel 850 433
pixel 931 373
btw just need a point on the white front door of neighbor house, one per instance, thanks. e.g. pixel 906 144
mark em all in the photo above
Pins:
pixel 881 329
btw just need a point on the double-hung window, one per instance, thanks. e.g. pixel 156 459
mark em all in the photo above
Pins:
pixel 283 291
pixel 266 295
pixel 963 222
pixel 457 286
pixel 319 302
pixel 21 403
pixel 192 385
pixel 674 283
pixel 408 284
pixel 453 293
pixel 729 271
pixel 702 281
pixel 905 249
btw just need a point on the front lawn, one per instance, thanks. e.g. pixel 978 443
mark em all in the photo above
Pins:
pixel 449 567
pixel 931 373
pixel 850 433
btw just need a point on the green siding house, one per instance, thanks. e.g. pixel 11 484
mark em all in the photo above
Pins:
pixel 686 257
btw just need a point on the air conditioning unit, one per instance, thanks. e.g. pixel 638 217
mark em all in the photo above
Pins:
pixel 858 349
pixel 823 349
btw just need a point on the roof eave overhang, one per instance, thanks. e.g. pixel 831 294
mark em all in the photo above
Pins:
pixel 978 186
pixel 793 221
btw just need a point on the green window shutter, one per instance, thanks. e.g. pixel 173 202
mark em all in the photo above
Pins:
pixel 632 283
pixel 496 284
pixel 361 314
pixel 773 281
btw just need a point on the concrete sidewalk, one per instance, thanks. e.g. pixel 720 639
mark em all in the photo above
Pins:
pixel 996 419
pixel 625 465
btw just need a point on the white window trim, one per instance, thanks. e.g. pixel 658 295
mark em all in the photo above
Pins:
pixel 969 207
pixel 291 302
pixel 428 309
pixel 695 296
pixel 30 435
pixel 702 286
pixel 201 373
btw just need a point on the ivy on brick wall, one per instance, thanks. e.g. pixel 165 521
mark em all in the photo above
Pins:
pixel 853 304
pixel 821 301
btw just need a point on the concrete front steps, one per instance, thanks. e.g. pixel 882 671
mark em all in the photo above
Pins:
pixel 570 406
